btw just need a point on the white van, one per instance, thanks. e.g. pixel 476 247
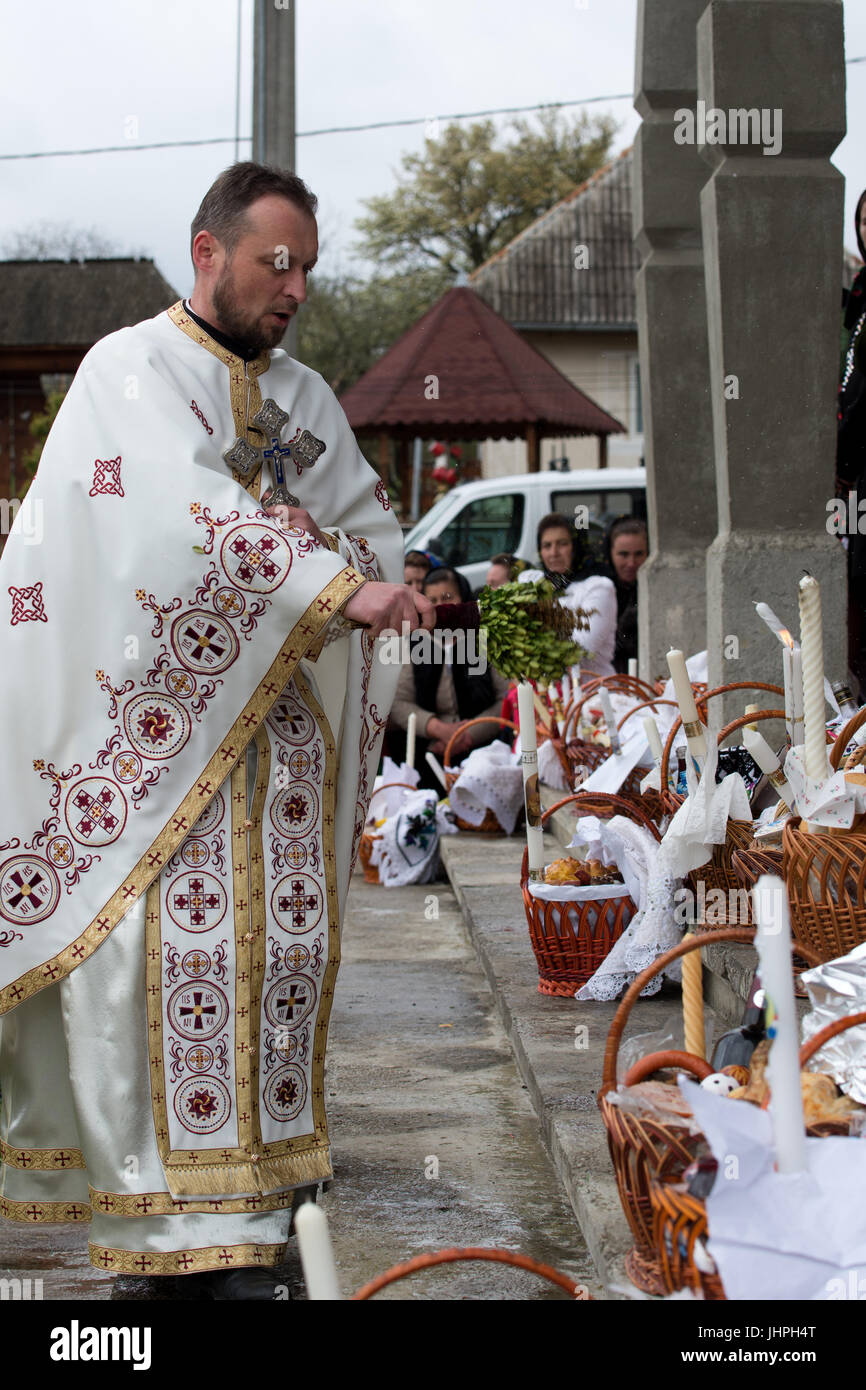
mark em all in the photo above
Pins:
pixel 475 521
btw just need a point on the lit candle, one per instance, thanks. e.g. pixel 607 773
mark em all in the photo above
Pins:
pixel 607 711
pixel 812 645
pixel 760 750
pixel 436 767
pixel 773 942
pixel 411 725
pixel 529 761
pixel 632 666
pixel 317 1253
pixel 688 709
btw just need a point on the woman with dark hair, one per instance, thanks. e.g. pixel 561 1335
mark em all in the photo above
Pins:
pixel 564 560
pixel 504 569
pixel 851 445
pixel 627 547
pixel 447 690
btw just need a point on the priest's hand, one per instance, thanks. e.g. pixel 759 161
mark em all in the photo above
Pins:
pixel 385 607
pixel 298 517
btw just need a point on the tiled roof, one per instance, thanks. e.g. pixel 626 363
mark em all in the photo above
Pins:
pixel 538 281
pixel 462 372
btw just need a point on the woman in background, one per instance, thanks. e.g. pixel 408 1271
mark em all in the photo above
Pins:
pixel 564 561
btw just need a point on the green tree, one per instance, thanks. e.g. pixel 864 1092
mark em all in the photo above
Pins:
pixel 348 322
pixel 39 427
pixel 467 196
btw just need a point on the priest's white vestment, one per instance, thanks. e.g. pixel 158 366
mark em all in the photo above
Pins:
pixel 191 731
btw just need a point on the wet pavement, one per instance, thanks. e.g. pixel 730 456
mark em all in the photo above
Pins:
pixel 435 1141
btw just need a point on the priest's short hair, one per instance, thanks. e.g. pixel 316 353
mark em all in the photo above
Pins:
pixel 224 207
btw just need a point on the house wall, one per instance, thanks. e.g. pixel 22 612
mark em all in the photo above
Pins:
pixel 604 366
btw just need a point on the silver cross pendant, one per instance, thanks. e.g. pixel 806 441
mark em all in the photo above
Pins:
pixel 271 419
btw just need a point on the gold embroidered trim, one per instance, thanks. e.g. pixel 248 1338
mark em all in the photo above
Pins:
pixel 184 1261
pixel 46 1212
pixel 163 1204
pixel 258 926
pixel 41 1160
pixel 244 389
pixel 154 859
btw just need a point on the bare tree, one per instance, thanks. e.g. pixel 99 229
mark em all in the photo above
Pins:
pixel 57 241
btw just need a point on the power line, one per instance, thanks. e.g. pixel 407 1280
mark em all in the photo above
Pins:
pixel 134 147
pixel 131 147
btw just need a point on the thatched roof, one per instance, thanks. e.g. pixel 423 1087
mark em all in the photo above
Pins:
pixel 75 303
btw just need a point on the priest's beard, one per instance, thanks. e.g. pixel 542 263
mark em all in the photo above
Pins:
pixel 250 332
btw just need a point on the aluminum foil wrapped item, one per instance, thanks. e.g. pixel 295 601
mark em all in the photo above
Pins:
pixel 837 989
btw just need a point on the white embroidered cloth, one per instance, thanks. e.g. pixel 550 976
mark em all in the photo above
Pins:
pixel 653 929
pixel 550 769
pixel 491 779
pixel 408 850
pixel 387 798
pixel 833 802
pixel 702 820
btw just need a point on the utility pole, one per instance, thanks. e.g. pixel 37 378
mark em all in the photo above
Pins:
pixel 274 95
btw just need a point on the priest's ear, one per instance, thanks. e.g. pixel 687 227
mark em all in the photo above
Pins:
pixel 208 253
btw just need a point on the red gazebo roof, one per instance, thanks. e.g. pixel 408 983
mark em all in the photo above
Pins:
pixel 462 372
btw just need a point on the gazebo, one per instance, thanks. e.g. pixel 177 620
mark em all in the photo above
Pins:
pixel 462 372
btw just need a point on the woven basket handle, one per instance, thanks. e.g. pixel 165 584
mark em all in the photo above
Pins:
pixel 710 695
pixel 830 1030
pixel 603 804
pixel 387 785
pixel 467 724
pixel 656 1061
pixel 742 935
pixel 745 719
pixel 619 684
pixel 645 704
pixel 846 733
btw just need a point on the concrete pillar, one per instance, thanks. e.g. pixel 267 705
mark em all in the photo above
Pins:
pixel 773 228
pixel 672 336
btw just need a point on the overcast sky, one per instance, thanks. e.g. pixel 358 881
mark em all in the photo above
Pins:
pixel 74 75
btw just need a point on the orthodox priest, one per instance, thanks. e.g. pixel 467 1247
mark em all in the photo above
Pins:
pixel 192 712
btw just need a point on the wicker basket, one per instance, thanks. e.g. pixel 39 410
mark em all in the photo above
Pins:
pixel 617 685
pixel 481 1252
pixel 368 839
pixel 680 1220
pixel 571 939
pixel 825 873
pixel 672 799
pixel 640 1147
pixel 490 824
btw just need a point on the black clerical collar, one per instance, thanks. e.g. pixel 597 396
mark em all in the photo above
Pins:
pixel 232 345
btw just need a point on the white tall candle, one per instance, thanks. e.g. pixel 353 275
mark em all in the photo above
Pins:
pixel 317 1253
pixel 773 942
pixel 767 761
pixel 651 729
pixel 787 672
pixel 556 705
pixel 610 721
pixel 411 726
pixel 632 666
pixel 688 709
pixel 436 767
pixel 529 761
pixel 566 691
pixel 812 644
pixel 797 726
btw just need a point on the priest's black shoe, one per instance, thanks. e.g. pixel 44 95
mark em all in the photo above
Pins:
pixel 249 1283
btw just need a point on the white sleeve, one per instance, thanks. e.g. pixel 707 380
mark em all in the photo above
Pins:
pixel 599 639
